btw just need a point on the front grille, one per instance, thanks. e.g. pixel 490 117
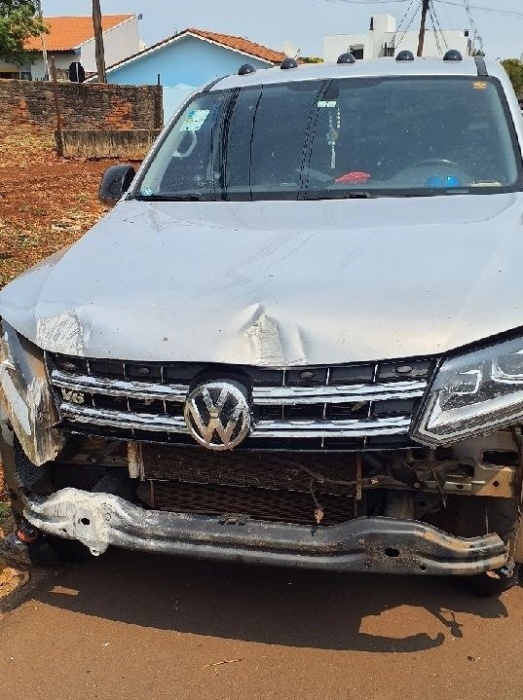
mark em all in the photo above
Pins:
pixel 342 407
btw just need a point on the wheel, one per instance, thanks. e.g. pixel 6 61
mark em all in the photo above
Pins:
pixel 492 583
pixel 44 550
pixel 66 551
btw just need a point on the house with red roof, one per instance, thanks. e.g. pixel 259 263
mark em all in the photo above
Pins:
pixel 189 59
pixel 70 39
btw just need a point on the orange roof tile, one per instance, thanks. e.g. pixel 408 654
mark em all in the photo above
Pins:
pixel 240 44
pixel 66 33
pixel 236 43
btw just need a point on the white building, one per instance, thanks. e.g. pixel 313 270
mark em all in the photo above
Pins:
pixel 384 39
pixel 71 39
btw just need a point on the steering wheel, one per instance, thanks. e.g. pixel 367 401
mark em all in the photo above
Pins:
pixel 417 173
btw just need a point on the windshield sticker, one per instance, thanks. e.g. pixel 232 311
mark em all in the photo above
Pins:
pixel 327 103
pixel 479 85
pixel 195 120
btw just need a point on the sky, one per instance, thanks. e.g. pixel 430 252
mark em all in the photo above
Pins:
pixel 303 23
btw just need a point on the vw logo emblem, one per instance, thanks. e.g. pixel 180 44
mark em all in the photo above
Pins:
pixel 217 415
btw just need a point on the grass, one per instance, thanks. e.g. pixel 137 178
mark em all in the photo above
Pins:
pixel 5 511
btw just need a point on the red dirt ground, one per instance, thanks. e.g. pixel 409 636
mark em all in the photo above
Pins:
pixel 46 202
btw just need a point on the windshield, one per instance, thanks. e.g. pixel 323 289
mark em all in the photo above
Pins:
pixel 355 137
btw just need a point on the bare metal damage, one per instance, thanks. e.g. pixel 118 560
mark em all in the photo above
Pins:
pixel 64 332
pixel 386 545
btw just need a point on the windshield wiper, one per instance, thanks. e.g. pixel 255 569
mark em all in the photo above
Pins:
pixel 342 194
pixel 359 194
pixel 189 197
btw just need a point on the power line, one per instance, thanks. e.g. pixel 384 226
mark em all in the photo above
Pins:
pixel 476 34
pixel 404 16
pixel 436 37
pixel 366 2
pixel 409 25
pixel 437 25
pixel 400 23
pixel 453 3
pixel 482 8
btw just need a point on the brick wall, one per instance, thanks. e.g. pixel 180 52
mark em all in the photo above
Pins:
pixel 113 107
pixel 128 144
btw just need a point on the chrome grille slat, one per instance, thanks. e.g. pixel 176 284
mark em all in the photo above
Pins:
pixel 262 429
pixel 352 404
pixel 262 396
pixel 268 396
pixel 127 419
pixel 119 387
pixel 340 428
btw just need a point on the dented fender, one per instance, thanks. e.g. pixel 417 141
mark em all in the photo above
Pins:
pixel 25 398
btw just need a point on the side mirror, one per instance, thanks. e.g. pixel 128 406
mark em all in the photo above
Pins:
pixel 115 182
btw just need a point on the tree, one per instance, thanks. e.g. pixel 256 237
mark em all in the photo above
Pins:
pixel 19 20
pixel 514 68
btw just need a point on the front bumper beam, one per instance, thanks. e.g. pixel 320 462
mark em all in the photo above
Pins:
pixel 383 545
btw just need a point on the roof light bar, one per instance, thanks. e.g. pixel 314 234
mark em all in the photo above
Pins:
pixel 405 56
pixel 288 63
pixel 246 69
pixel 453 55
pixel 346 58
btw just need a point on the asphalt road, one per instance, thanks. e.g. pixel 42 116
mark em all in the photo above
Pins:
pixel 143 626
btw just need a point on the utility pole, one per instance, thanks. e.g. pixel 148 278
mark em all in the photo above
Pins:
pixel 99 41
pixel 424 10
pixel 47 72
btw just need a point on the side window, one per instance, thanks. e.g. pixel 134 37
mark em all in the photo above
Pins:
pixel 191 155
pixel 184 163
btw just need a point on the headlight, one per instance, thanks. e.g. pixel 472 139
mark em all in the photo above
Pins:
pixel 472 394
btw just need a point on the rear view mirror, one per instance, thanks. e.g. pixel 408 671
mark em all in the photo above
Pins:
pixel 115 182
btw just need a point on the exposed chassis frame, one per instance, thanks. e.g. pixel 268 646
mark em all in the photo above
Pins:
pixel 374 544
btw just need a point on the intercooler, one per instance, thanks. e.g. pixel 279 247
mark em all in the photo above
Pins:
pixel 297 488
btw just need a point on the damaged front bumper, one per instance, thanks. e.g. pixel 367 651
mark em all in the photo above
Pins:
pixel 377 544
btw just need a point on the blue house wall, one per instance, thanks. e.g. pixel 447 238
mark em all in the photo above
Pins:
pixel 187 61
pixel 182 66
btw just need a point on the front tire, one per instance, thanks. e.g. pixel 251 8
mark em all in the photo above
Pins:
pixel 492 584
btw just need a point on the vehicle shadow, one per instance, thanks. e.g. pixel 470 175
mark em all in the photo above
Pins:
pixel 272 606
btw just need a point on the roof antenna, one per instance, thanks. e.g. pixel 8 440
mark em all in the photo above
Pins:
pixel 290 50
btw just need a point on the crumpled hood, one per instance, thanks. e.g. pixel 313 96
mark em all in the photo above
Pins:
pixel 280 283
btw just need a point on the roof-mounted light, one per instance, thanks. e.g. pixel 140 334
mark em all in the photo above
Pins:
pixel 453 55
pixel 346 58
pixel 405 56
pixel 246 69
pixel 288 63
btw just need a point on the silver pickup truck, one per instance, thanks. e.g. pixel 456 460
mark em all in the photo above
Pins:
pixel 296 339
